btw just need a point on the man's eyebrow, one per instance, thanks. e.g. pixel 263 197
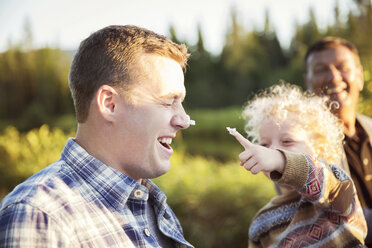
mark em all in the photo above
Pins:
pixel 174 96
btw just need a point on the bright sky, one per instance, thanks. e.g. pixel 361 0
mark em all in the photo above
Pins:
pixel 66 23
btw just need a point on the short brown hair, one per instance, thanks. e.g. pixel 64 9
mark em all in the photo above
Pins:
pixel 329 42
pixel 107 56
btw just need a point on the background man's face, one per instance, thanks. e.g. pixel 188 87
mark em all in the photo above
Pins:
pixel 334 72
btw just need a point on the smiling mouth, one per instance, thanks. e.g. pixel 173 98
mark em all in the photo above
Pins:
pixel 335 90
pixel 165 142
pixel 342 86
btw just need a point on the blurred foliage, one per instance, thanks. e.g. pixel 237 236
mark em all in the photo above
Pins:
pixel 33 84
pixel 214 203
pixel 34 89
pixel 23 154
pixel 212 200
pixel 209 136
pixel 254 59
pixel 212 195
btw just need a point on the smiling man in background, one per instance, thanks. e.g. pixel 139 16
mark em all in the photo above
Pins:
pixel 333 68
pixel 127 84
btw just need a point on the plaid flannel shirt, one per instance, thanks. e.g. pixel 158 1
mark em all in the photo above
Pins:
pixel 80 202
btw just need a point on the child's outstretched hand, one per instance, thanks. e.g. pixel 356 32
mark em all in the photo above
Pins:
pixel 257 158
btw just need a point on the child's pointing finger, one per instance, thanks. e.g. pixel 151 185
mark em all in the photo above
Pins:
pixel 243 141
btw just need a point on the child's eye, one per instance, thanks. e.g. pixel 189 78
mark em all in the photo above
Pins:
pixel 264 144
pixel 287 142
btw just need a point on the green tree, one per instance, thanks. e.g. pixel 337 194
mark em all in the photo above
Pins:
pixel 33 84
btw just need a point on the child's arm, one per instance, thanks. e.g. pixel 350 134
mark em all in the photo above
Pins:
pixel 325 185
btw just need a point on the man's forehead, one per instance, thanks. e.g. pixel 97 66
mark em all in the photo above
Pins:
pixel 160 77
pixel 153 91
pixel 330 55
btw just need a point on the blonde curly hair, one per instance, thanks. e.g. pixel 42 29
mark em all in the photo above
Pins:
pixel 285 100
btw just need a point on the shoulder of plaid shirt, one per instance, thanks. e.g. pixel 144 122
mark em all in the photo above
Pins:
pixel 80 202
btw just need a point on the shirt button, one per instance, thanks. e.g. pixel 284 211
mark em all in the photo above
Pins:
pixel 138 193
pixel 147 232
pixel 365 161
pixel 167 215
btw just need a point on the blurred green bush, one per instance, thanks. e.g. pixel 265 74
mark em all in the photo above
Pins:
pixel 209 136
pixel 214 201
pixel 23 154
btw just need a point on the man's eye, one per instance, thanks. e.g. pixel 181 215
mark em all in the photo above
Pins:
pixel 344 68
pixel 169 103
pixel 319 70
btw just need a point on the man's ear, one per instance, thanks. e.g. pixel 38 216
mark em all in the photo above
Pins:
pixel 360 79
pixel 308 85
pixel 107 100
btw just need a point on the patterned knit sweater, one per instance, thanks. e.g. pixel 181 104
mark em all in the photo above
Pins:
pixel 318 208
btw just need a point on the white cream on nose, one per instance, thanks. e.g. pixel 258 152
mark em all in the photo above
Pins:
pixel 191 122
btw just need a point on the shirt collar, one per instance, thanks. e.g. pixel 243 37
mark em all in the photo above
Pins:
pixel 157 197
pixel 365 123
pixel 111 184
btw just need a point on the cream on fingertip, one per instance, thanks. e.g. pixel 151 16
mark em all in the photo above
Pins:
pixel 231 130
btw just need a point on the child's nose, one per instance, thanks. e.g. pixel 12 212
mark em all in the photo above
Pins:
pixel 275 146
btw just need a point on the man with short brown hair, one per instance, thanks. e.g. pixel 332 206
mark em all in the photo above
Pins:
pixel 127 84
pixel 333 68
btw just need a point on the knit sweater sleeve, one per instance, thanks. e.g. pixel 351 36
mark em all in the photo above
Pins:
pixel 325 185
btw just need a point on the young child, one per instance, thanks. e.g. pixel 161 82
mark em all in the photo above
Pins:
pixel 318 206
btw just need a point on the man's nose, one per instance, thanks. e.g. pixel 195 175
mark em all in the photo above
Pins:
pixel 334 75
pixel 181 120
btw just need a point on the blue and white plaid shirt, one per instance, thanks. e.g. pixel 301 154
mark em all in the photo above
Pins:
pixel 80 202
